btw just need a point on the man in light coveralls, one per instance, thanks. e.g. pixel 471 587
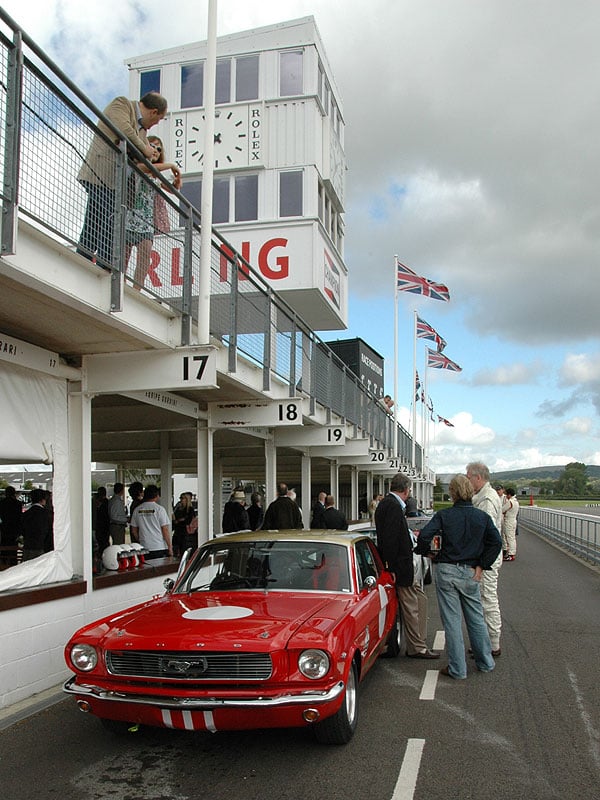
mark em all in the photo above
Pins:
pixel 486 498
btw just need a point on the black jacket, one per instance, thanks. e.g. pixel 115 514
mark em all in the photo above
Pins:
pixel 468 536
pixel 335 519
pixel 318 516
pixel 235 517
pixel 282 514
pixel 394 541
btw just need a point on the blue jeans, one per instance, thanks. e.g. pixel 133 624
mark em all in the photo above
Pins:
pixel 458 595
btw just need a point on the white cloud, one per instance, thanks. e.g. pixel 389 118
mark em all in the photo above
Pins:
pixel 507 375
pixel 582 368
pixel 578 425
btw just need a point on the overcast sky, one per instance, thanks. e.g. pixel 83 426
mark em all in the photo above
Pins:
pixel 472 143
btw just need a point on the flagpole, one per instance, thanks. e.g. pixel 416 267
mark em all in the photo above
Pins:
pixel 396 400
pixel 425 426
pixel 414 420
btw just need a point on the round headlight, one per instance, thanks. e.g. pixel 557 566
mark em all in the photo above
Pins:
pixel 84 657
pixel 313 663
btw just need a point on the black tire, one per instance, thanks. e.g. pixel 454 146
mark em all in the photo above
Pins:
pixel 339 728
pixel 394 641
pixel 116 726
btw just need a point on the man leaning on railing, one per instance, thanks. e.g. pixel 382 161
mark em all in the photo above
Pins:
pixel 98 173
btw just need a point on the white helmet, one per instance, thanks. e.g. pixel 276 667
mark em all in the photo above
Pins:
pixel 136 549
pixel 110 556
pixel 127 556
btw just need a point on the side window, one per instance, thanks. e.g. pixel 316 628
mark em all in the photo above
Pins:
pixel 291 79
pixel 223 86
pixel 290 194
pixel 149 82
pixel 192 85
pixel 366 560
pixel 246 198
pixel 220 212
pixel 246 78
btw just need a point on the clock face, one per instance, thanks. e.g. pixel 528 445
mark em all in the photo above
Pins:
pixel 230 137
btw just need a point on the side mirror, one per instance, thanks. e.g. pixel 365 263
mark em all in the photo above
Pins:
pixel 168 583
pixel 370 582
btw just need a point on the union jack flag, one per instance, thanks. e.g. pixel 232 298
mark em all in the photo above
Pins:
pixel 445 421
pixel 409 281
pixel 425 331
pixel 417 385
pixel 438 361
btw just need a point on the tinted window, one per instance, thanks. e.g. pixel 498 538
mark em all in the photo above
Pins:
pixel 223 88
pixel 192 78
pixel 149 82
pixel 246 198
pixel 290 194
pixel 221 200
pixel 290 73
pixel 246 78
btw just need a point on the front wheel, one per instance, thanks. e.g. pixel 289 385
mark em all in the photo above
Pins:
pixel 339 728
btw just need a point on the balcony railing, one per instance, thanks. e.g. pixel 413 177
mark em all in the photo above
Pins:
pixel 47 126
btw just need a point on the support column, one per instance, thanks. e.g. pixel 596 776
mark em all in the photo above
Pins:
pixel 270 471
pixel 354 493
pixel 80 488
pixel 334 475
pixel 166 473
pixel 204 491
pixel 306 489
pixel 217 471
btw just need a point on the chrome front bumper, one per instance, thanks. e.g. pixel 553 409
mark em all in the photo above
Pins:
pixel 190 703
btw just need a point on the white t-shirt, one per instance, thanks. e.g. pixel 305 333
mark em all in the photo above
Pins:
pixel 148 518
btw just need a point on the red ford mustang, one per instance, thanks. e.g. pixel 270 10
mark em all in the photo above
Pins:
pixel 265 629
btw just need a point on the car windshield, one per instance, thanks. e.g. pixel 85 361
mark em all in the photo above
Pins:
pixel 271 565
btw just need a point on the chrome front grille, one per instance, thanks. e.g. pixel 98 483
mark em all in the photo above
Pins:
pixel 191 666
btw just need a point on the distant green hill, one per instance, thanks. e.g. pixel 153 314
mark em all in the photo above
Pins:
pixel 528 473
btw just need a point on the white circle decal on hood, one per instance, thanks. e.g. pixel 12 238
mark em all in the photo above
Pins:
pixel 219 612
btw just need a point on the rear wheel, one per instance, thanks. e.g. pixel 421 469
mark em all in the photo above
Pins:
pixel 339 728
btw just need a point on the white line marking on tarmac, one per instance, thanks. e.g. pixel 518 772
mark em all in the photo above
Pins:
pixel 409 771
pixel 429 685
pixel 592 732
pixel 439 643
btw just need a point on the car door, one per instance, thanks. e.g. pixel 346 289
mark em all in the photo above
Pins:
pixel 377 604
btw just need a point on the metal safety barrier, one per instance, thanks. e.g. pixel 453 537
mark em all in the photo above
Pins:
pixel 578 533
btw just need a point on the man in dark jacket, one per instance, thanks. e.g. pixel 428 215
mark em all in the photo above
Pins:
pixel 470 544
pixel 334 518
pixel 395 544
pixel 318 512
pixel 36 526
pixel 283 513
pixel 11 510
pixel 235 516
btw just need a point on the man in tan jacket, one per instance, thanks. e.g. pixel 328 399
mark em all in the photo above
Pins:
pixel 99 174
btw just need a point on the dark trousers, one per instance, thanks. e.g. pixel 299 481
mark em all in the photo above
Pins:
pixel 98 226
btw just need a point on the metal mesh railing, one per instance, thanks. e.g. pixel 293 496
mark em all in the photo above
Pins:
pixel 577 533
pixel 50 126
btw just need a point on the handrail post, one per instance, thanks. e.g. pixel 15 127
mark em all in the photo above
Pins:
pixel 268 340
pixel 12 136
pixel 233 314
pixel 118 267
pixel 188 278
